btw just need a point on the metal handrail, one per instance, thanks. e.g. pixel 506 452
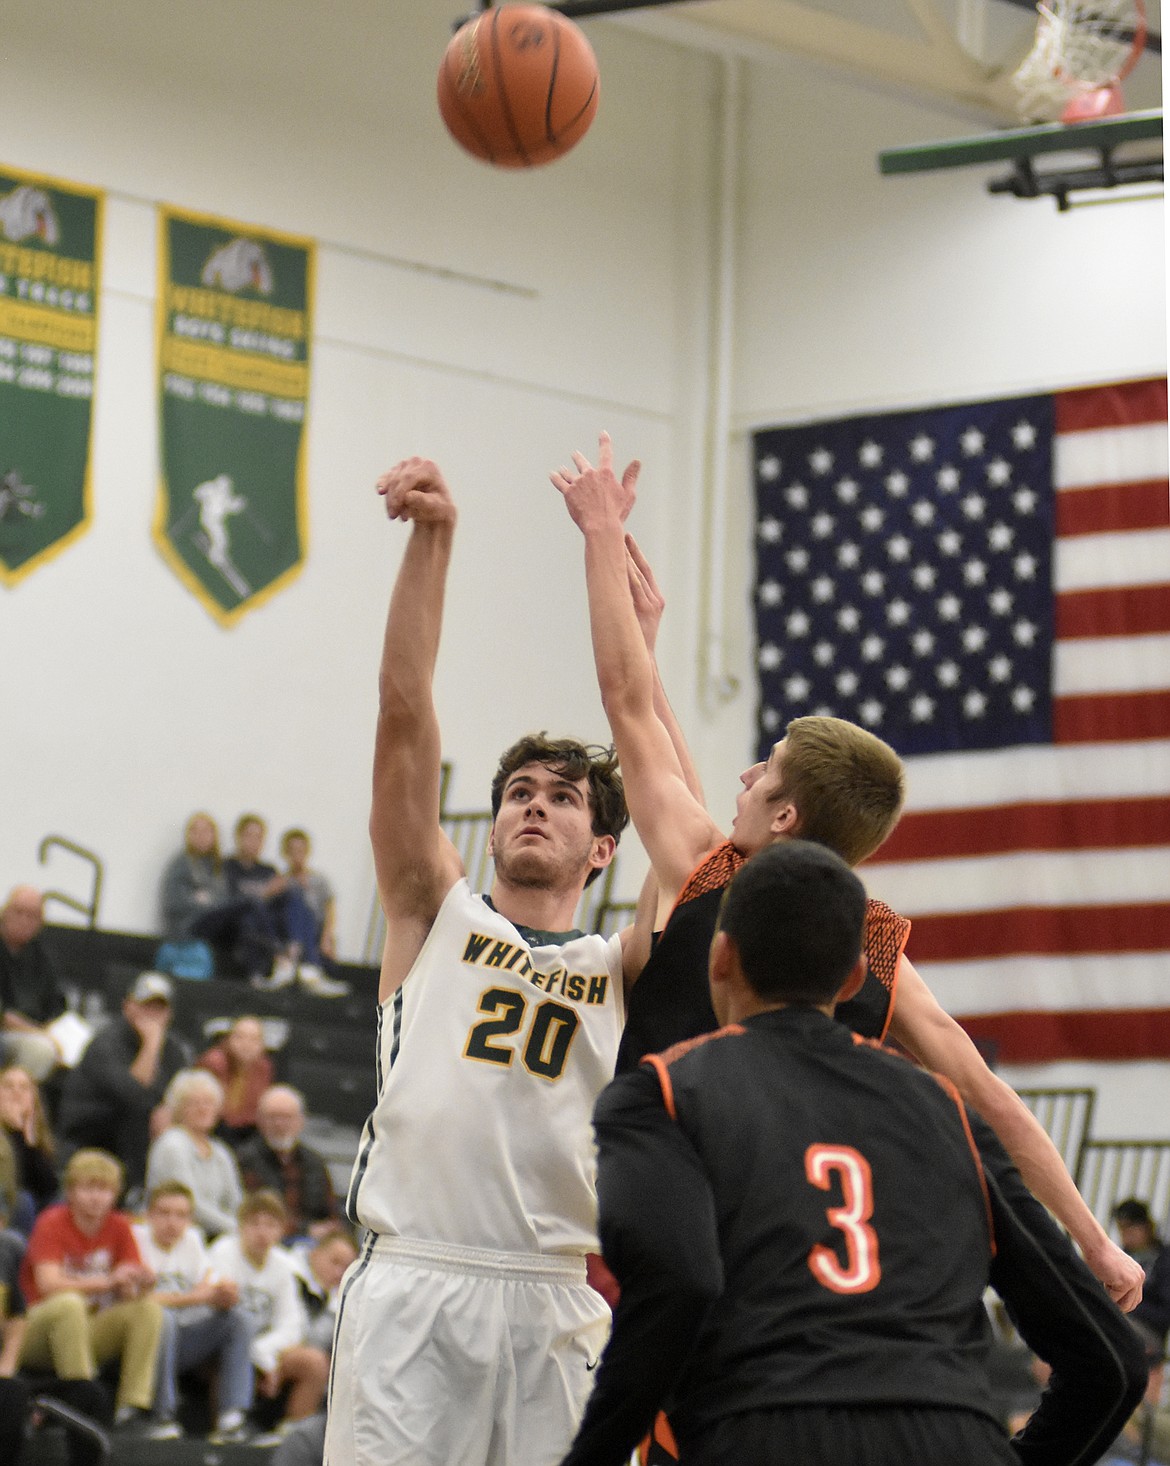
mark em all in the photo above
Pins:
pixel 88 909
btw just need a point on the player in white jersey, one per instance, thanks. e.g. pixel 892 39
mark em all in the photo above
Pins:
pixel 466 1332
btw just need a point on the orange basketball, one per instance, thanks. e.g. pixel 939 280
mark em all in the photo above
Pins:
pixel 518 86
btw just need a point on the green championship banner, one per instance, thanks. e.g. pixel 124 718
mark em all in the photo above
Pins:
pixel 50 236
pixel 234 324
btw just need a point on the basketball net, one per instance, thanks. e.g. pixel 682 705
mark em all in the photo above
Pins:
pixel 1082 51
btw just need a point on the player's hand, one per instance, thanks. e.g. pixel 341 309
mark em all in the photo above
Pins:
pixel 594 495
pixel 415 489
pixel 649 602
pixel 1121 1275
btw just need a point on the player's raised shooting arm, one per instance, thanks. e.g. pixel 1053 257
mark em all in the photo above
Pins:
pixel 671 822
pixel 937 1041
pixel 414 861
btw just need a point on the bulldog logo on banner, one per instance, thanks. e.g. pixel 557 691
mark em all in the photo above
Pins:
pixel 234 327
pixel 49 240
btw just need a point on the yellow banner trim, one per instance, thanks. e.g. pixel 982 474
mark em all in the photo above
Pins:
pixel 244 371
pixel 44 326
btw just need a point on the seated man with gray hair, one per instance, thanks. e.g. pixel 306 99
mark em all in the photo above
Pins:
pixel 30 993
pixel 277 1160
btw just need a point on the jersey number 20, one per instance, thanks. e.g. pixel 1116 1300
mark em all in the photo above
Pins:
pixel 546 1046
pixel 824 1164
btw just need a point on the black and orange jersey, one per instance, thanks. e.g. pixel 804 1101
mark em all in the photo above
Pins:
pixel 670 1001
pixel 799 1218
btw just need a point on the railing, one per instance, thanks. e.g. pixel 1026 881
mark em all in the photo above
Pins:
pixel 1067 1116
pixel 1112 1170
pixel 88 909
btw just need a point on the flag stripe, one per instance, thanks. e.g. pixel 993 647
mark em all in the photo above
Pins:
pixel 1112 507
pixel 1136 610
pixel 1114 455
pixel 1111 717
pixel 940 834
pixel 1086 408
pixel 1017 775
pixel 1041 929
pixel 1109 980
pixel 1042 1038
pixel 1111 664
pixel 1089 562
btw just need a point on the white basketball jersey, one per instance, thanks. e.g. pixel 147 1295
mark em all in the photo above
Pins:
pixel 490 1057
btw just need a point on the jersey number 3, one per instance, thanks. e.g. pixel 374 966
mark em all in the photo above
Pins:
pixel 824 1164
pixel 546 1047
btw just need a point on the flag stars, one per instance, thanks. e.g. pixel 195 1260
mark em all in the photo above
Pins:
pixel 848 618
pixel 922 512
pixel 898 612
pixel 1024 435
pixel 1024 632
pixel 1025 566
pixel 1023 699
pixel 846 683
pixel 973 506
pixel 948 478
pixel 922 448
pixel 797 560
pixel 949 607
pixel 1024 499
pixel 897 678
pixel 974 572
pixel 872 518
pixel 950 542
pixel 847 490
pixel 823 653
pixel 972 442
pixel 1001 600
pixel 771 593
pixel 870 454
pixel 1000 536
pixel 848 555
pixel 921 708
pixel 898 547
pixel 770 656
pixel 924 576
pixel 823 589
pixel 797 624
pixel 948 674
pixel 770 530
pixel 974 704
pixel 820 460
pixel 999 669
pixel 871 711
pixel 897 484
pixel 770 719
pixel 769 468
pixel 822 525
pixel 797 496
pixel 797 688
pixel 974 639
pixel 923 641
pixel 999 472
pixel 872 647
pixel 873 582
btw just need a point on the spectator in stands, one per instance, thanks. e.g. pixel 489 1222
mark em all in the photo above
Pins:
pixel 275 922
pixel 14 1393
pixel 1139 1237
pixel 113 1098
pixel 317 894
pixel 268 1290
pixel 26 1127
pixel 187 1151
pixel 30 993
pixel 202 1320
pixel 89 1293
pixel 320 1267
pixel 277 1160
pixel 241 1064
pixel 193 883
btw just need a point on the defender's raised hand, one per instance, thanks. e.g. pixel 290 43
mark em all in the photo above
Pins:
pixel 595 495
pixel 415 489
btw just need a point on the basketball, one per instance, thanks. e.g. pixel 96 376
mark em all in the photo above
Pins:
pixel 518 86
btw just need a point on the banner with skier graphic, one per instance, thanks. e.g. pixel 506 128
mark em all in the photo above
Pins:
pixel 50 240
pixel 234 326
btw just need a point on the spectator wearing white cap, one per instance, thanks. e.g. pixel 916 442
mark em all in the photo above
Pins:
pixel 113 1099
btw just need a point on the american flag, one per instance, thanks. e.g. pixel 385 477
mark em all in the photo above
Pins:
pixel 987 587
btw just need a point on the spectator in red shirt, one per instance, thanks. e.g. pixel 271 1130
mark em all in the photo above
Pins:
pixel 89 1293
pixel 241 1064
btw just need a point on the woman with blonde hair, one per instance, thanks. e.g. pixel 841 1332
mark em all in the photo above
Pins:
pixel 187 1151
pixel 24 1124
pixel 193 883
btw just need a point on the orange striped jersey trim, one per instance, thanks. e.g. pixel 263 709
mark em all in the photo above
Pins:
pixel 661 1063
pixel 949 1089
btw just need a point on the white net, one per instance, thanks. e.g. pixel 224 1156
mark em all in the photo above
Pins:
pixel 1081 46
